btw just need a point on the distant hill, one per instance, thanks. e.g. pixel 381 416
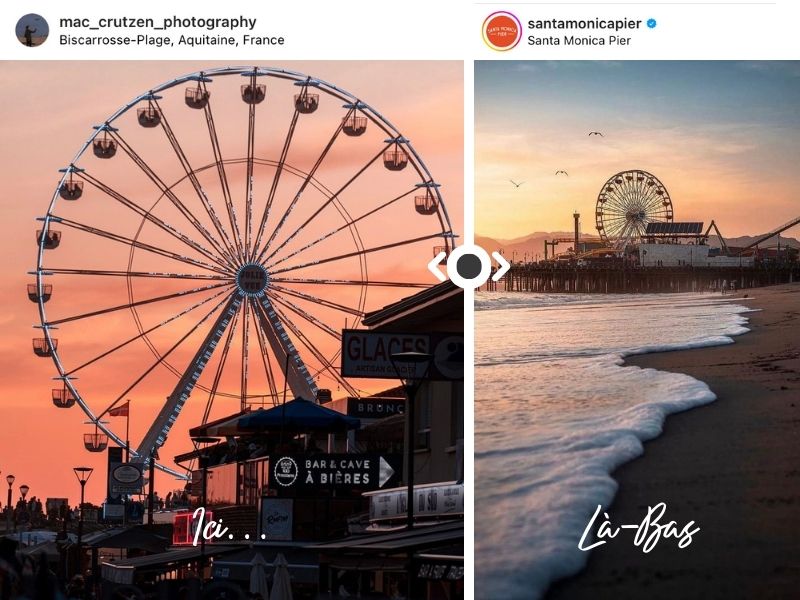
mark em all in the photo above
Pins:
pixel 532 244
pixel 746 240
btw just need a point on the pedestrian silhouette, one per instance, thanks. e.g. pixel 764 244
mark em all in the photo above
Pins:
pixel 29 36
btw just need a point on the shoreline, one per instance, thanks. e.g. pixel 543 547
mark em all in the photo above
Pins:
pixel 732 466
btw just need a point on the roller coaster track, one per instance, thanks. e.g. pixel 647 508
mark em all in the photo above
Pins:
pixel 772 233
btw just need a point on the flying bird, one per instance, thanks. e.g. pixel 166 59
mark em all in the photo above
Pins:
pixel 564 172
pixel 591 133
pixel 515 183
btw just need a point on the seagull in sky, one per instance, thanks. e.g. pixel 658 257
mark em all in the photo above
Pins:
pixel 591 133
pixel 516 185
pixel 560 172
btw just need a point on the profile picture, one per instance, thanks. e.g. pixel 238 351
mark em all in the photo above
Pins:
pixel 32 30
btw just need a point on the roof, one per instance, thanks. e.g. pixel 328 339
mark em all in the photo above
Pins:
pixel 660 228
pixel 403 540
pixel 131 537
pixel 411 305
pixel 218 427
pixel 171 557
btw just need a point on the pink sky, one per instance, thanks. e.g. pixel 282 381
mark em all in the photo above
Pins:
pixel 48 111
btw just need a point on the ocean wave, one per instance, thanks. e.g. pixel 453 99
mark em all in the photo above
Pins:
pixel 549 433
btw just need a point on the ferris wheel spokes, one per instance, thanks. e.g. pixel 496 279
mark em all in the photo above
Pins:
pixel 309 176
pixel 308 317
pixel 128 305
pixel 164 356
pixel 173 198
pixel 145 332
pixel 144 274
pixel 347 224
pixel 327 203
pixel 205 201
pixel 136 244
pixel 145 214
pixel 361 252
pixel 358 282
pixel 275 180
pixel 318 300
pixel 220 163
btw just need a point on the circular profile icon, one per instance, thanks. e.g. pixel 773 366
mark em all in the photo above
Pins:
pixel 502 31
pixel 285 471
pixel 32 30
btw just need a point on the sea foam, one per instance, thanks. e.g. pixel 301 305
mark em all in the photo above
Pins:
pixel 557 419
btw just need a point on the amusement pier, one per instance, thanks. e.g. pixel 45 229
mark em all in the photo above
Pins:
pixel 641 248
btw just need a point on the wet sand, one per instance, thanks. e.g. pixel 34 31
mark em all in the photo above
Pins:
pixel 732 466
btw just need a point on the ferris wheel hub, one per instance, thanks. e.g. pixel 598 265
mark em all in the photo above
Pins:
pixel 252 279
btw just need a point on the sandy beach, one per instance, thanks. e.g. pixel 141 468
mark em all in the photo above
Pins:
pixel 732 466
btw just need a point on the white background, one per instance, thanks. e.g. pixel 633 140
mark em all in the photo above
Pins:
pixel 434 29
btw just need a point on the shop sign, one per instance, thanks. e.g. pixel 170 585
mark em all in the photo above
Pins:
pixel 375 408
pixel 126 478
pixel 367 354
pixel 184 527
pixel 330 471
pixel 439 571
pixel 429 501
pixel 276 519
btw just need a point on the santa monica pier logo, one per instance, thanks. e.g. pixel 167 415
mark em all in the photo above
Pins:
pixel 285 471
pixel 502 31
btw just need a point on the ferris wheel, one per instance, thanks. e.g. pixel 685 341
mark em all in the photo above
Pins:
pixel 627 202
pixel 212 238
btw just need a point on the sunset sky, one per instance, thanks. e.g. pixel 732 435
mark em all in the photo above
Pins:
pixel 723 137
pixel 47 113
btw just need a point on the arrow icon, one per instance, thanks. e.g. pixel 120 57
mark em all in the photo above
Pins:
pixel 504 266
pixel 433 267
pixel 385 470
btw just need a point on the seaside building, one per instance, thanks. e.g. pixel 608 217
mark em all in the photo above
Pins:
pixel 387 554
pixel 321 484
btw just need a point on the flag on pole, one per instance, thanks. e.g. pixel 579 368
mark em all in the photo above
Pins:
pixel 120 411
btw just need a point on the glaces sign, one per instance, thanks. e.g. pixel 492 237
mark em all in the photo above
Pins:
pixel 368 354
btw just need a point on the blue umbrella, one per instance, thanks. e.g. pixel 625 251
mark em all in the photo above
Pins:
pixel 298 415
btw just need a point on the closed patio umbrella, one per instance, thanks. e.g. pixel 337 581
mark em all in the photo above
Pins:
pixel 281 582
pixel 258 577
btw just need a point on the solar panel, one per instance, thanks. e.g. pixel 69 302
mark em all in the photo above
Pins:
pixel 660 228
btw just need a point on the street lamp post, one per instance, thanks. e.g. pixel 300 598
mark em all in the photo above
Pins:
pixel 83 474
pixel 10 480
pixel 203 462
pixel 23 490
pixel 412 369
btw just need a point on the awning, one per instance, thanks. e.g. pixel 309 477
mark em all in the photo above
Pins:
pixel 137 538
pixel 123 571
pixel 422 537
pixel 298 416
